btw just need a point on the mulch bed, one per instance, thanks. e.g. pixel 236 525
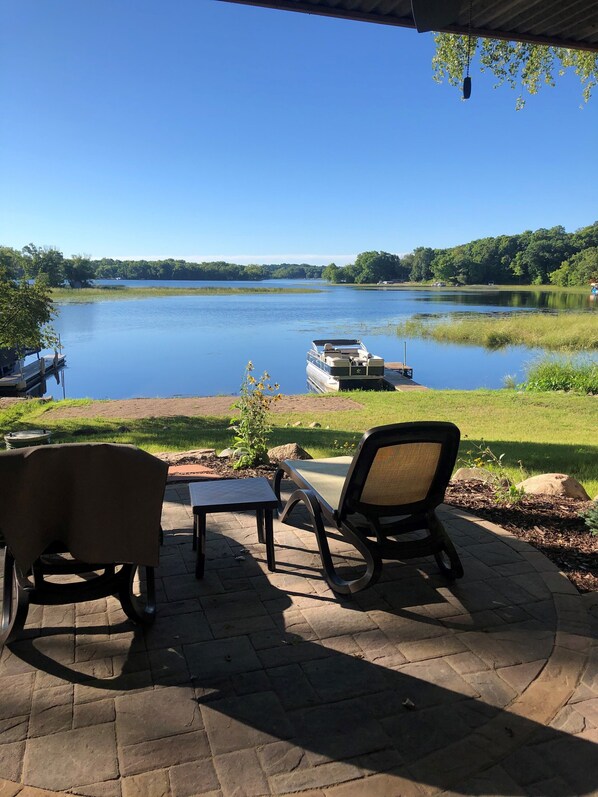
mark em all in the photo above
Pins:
pixel 549 523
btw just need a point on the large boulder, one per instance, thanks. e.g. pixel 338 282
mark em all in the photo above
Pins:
pixel 554 484
pixel 475 475
pixel 288 451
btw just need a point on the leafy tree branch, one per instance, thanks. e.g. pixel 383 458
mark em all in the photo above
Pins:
pixel 520 65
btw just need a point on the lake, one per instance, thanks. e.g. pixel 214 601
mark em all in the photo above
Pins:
pixel 199 345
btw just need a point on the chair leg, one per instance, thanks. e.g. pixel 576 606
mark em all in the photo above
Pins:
pixel 276 486
pixel 15 603
pixel 446 556
pixel 335 582
pixel 133 607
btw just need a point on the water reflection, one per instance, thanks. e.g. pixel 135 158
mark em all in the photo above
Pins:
pixel 533 300
pixel 200 344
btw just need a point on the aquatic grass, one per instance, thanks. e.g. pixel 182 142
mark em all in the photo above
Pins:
pixel 548 432
pixel 118 292
pixel 565 331
pixel 553 373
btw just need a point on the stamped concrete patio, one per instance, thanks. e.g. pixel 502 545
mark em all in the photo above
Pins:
pixel 252 683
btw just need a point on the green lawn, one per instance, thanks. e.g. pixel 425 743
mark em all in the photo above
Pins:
pixel 546 432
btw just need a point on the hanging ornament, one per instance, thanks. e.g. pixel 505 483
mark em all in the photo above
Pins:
pixel 467 79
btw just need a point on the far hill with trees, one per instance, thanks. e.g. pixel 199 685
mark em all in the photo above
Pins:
pixel 78 271
pixel 530 258
pixel 537 257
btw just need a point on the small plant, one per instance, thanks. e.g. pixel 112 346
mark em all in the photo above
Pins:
pixel 348 447
pixel 590 517
pixel 251 425
pixel 482 456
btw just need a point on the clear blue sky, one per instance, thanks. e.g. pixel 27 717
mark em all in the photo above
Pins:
pixel 203 129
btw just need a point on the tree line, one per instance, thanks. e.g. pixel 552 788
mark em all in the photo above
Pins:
pixel 530 258
pixel 535 257
pixel 49 264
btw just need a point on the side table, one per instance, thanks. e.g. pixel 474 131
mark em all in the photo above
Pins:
pixel 232 495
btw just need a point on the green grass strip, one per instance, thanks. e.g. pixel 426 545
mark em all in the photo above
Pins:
pixel 565 331
pixel 546 432
pixel 117 292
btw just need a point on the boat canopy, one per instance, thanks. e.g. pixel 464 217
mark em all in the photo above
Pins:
pixel 337 342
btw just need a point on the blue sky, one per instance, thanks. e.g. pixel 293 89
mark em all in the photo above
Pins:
pixel 203 129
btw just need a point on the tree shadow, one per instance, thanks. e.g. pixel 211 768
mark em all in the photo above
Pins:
pixel 314 710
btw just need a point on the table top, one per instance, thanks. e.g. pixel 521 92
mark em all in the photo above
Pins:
pixel 228 495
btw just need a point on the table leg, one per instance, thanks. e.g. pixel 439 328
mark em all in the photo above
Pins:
pixel 270 540
pixel 259 516
pixel 199 535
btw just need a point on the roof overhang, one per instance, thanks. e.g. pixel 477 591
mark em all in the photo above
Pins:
pixel 562 23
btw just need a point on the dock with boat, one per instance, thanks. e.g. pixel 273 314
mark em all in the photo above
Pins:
pixel 335 364
pixel 21 378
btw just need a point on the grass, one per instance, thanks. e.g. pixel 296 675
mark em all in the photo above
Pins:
pixel 568 331
pixel 547 432
pixel 119 292
pixel 559 374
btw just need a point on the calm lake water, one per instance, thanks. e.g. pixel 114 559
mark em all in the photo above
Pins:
pixel 199 345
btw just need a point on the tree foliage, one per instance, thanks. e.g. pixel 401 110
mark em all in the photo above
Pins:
pixel 528 258
pixel 26 310
pixel 78 271
pixel 522 66
pixel 580 269
pixel 369 267
pixel 44 261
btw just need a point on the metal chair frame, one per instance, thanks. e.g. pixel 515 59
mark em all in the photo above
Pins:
pixel 22 589
pixel 363 525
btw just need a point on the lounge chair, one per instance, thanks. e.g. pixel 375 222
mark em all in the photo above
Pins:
pixel 88 510
pixel 390 488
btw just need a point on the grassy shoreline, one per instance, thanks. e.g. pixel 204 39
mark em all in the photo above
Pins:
pixel 415 286
pixel 573 332
pixel 546 432
pixel 112 293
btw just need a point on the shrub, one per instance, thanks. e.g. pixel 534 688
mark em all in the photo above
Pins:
pixel 563 374
pixel 251 425
pixel 590 517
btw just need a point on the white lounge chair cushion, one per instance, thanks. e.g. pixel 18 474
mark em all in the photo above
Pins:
pixel 325 476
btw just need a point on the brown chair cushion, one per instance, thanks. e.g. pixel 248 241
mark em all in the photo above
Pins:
pixel 102 501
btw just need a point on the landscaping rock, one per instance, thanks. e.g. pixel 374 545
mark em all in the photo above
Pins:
pixel 298 423
pixel 475 475
pixel 554 484
pixel 288 451
pixel 227 452
pixel 315 425
pixel 185 457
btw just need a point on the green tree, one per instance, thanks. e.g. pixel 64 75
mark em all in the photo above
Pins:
pixel 332 273
pixel 44 261
pixel 421 265
pixel 378 266
pixel 26 310
pixel 521 65
pixel 78 271
pixel 11 262
pixel 580 269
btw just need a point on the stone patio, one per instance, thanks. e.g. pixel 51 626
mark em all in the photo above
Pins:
pixel 252 683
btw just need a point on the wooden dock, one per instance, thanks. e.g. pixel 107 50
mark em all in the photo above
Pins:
pixel 30 375
pixel 393 376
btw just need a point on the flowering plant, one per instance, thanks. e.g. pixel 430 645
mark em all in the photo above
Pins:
pixel 251 425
